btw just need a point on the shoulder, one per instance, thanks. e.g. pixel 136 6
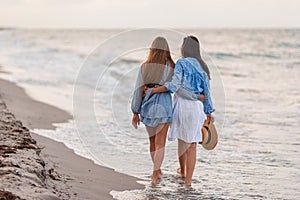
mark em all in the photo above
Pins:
pixel 180 65
pixel 181 61
pixel 144 66
pixel 187 62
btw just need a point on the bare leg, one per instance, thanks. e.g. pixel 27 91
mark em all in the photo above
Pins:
pixel 152 147
pixel 160 142
pixel 152 133
pixel 190 163
pixel 182 155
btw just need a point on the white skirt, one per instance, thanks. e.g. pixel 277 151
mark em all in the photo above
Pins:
pixel 187 121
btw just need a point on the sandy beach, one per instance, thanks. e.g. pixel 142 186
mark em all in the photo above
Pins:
pixel 65 175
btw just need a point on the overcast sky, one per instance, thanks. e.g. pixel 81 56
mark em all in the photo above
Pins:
pixel 149 13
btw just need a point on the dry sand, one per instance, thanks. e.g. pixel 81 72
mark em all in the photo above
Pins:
pixel 79 177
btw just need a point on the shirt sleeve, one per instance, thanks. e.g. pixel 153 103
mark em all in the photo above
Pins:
pixel 208 107
pixel 137 94
pixel 176 81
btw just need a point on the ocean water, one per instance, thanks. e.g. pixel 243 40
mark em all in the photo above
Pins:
pixel 258 119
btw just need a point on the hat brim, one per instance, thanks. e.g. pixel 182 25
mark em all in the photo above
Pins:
pixel 209 136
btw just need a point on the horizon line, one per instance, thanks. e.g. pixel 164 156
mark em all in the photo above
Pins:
pixel 132 28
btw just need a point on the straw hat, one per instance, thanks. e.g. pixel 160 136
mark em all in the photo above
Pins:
pixel 209 136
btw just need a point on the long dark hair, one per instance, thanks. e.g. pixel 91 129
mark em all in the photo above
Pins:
pixel 191 48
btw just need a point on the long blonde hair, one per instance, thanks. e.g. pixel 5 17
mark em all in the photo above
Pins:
pixel 154 66
pixel 160 52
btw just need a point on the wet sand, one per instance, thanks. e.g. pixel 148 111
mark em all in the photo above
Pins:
pixel 77 177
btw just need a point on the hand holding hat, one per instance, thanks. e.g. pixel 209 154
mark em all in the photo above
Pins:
pixel 209 134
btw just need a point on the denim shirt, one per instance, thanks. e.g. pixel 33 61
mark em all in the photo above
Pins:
pixel 137 98
pixel 189 75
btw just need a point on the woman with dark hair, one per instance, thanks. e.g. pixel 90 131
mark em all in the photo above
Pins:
pixel 191 76
pixel 155 112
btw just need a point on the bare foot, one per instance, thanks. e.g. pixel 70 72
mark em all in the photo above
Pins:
pixel 188 183
pixel 155 177
pixel 182 174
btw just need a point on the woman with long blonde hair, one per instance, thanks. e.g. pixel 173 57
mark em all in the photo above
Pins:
pixel 155 112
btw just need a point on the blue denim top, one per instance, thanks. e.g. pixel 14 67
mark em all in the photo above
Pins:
pixel 189 75
pixel 138 92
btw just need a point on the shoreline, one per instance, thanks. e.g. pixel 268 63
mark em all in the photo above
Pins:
pixel 84 178
pixel 32 113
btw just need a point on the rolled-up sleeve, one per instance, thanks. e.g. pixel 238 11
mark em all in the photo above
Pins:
pixel 208 106
pixel 137 94
pixel 176 81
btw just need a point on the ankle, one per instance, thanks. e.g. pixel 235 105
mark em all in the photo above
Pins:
pixel 156 172
pixel 188 182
